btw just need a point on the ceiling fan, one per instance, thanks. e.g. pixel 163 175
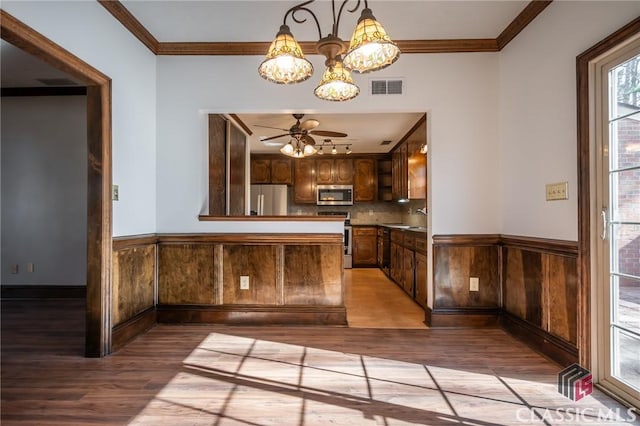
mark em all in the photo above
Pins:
pixel 302 131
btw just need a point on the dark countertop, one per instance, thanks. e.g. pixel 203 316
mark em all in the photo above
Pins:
pixel 398 226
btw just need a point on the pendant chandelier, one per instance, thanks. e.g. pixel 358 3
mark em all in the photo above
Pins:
pixel 370 49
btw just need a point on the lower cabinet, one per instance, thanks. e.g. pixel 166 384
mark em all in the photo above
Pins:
pixel 420 264
pixel 365 246
pixel 408 272
pixel 408 264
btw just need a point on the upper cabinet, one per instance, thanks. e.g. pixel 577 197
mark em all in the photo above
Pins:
pixel 271 169
pixel 409 165
pixel 334 171
pixel 365 182
pixel 304 189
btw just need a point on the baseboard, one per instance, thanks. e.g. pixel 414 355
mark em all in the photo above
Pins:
pixel 253 315
pixel 43 292
pixel 539 340
pixel 462 317
pixel 124 332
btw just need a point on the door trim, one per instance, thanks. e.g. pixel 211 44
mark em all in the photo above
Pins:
pixel 585 134
pixel 99 213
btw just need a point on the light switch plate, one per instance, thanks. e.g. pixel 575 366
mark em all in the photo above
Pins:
pixel 557 191
pixel 115 192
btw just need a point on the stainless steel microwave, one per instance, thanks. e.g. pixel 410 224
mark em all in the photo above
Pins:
pixel 335 195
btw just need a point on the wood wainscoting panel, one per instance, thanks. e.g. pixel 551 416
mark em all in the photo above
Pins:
pixel 454 265
pixel 186 274
pixel 258 262
pixel 562 297
pixel 523 272
pixel 133 282
pixel 313 275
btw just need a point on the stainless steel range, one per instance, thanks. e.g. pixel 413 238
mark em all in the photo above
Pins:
pixel 347 236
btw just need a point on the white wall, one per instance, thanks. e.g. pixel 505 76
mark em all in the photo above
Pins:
pixel 44 189
pixel 88 31
pixel 538 113
pixel 460 91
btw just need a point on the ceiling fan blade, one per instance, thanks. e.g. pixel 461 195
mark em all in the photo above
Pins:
pixel 328 133
pixel 309 124
pixel 308 140
pixel 274 137
pixel 269 127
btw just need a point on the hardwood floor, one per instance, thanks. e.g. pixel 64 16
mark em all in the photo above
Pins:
pixel 216 375
pixel 372 300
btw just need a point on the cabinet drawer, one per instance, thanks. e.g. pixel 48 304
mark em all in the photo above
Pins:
pixel 421 245
pixel 409 240
pixel 364 230
pixel 396 236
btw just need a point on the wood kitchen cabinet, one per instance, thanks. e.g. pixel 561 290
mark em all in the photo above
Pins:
pixel 271 170
pixel 365 182
pixel 399 174
pixel 365 246
pixel 304 189
pixel 420 264
pixel 408 272
pixel 338 171
pixel 409 165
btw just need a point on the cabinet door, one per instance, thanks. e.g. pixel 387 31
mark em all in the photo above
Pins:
pixel 305 186
pixel 380 252
pixel 365 246
pixel 364 180
pixel 396 263
pixel 396 175
pixel 421 279
pixel 324 169
pixel 260 171
pixel 409 271
pixel 281 171
pixel 343 171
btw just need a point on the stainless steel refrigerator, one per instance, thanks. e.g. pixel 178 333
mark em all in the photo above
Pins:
pixel 269 200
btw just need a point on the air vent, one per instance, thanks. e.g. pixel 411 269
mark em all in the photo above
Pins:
pixel 387 87
pixel 385 143
pixel 57 82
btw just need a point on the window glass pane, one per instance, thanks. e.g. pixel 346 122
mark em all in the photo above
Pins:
pixel 625 250
pixel 626 305
pixel 626 357
pixel 625 196
pixel 625 88
pixel 624 135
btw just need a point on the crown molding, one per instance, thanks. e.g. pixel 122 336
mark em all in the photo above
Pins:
pixel 122 14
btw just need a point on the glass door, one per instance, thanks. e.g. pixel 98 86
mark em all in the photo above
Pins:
pixel 619 254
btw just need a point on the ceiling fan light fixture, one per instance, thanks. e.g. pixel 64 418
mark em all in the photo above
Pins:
pixel 336 84
pixel 309 150
pixel 370 48
pixel 334 151
pixel 320 151
pixel 348 150
pixel 288 149
pixel 284 62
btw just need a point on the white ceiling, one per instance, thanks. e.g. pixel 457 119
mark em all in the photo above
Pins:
pixel 244 20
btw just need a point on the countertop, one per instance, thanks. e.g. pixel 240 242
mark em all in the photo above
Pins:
pixel 399 226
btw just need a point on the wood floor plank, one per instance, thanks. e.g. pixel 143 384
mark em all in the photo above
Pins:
pixel 217 375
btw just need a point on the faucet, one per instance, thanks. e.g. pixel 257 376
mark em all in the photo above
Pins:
pixel 422 210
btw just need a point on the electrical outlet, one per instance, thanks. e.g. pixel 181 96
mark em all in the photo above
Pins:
pixel 30 267
pixel 474 284
pixel 115 192
pixel 14 268
pixel 370 212
pixel 244 282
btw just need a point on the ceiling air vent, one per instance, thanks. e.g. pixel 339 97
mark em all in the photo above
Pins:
pixel 387 87
pixel 385 142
